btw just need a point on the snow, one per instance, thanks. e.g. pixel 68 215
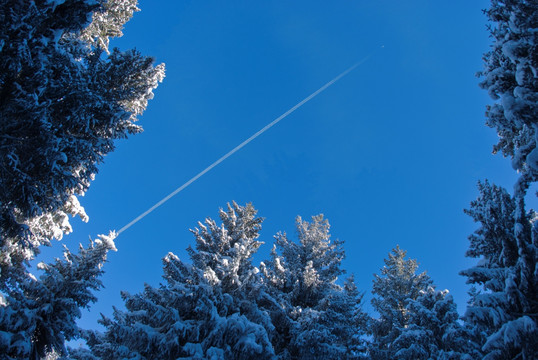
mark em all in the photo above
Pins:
pixel 108 240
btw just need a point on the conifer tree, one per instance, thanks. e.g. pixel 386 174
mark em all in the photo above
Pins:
pixel 433 330
pixel 509 75
pixel 314 317
pixel 397 285
pixel 63 102
pixel 64 99
pixel 504 313
pixel 41 316
pixel 206 310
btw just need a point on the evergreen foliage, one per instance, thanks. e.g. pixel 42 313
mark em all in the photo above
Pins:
pixel 504 313
pixel 63 102
pixel 433 330
pixel 393 290
pixel 206 310
pixel 41 316
pixel 315 318
pixel 64 99
pixel 510 76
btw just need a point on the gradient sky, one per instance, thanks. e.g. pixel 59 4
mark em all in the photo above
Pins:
pixel 390 154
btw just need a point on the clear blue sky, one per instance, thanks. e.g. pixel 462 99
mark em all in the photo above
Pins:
pixel 390 154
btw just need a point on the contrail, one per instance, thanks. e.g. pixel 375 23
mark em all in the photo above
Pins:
pixel 244 143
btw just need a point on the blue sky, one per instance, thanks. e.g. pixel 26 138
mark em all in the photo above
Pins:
pixel 390 154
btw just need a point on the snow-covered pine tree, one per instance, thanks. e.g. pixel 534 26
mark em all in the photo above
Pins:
pixel 206 310
pixel 433 330
pixel 397 285
pixel 40 317
pixel 63 102
pixel 504 314
pixel 314 317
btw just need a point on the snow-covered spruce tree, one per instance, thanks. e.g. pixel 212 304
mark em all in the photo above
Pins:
pixel 505 313
pixel 206 310
pixel 64 99
pixel 314 317
pixel 397 285
pixel 433 330
pixel 510 75
pixel 41 316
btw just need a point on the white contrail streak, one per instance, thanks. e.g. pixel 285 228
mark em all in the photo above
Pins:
pixel 240 146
